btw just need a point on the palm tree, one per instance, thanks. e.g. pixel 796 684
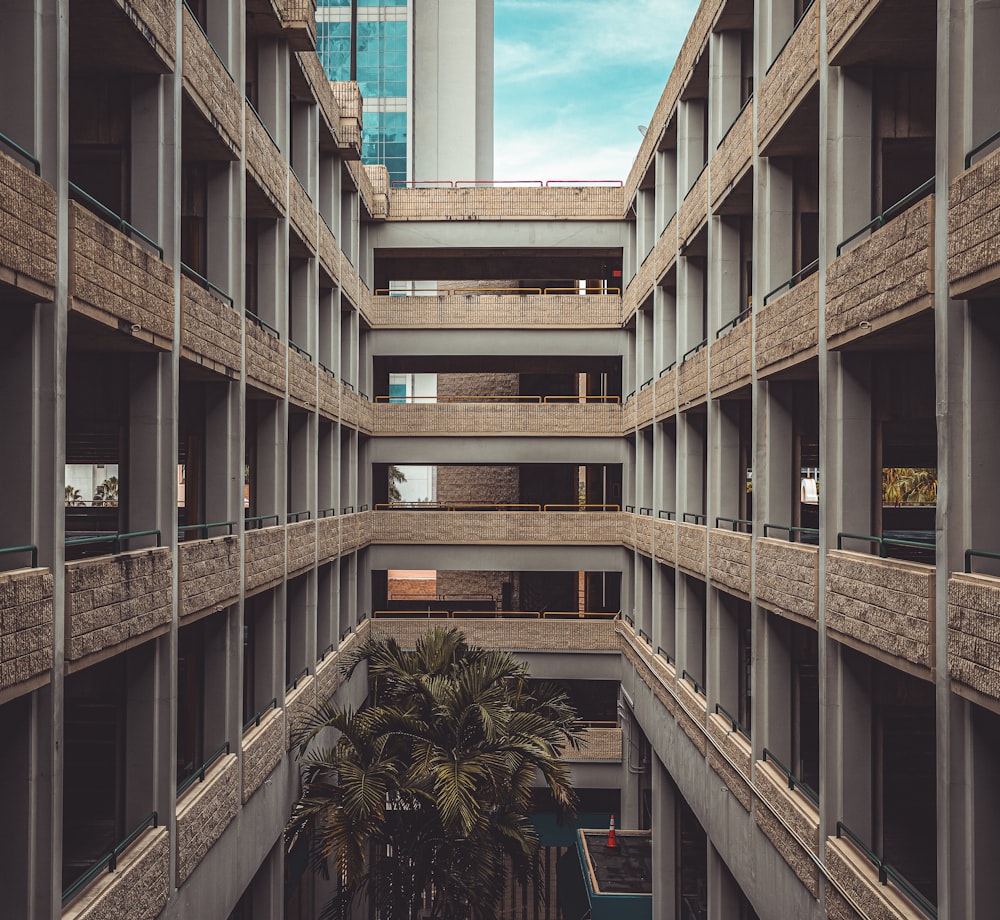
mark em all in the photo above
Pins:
pixel 426 792
pixel 396 476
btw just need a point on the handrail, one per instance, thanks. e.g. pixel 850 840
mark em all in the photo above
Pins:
pixel 305 354
pixel 254 318
pixel 695 350
pixel 784 45
pixel 736 523
pixel 267 130
pixel 520 291
pixel 732 124
pixel 645 637
pixel 27 548
pixel 736 320
pixel 733 721
pixel 326 512
pixel 629 620
pixel 202 281
pixel 347 509
pixel 110 860
pixel 969 553
pixel 995 136
pixel 20 151
pixel 199 774
pixel 347 385
pixel 298 516
pixel 698 687
pixel 696 518
pixel 332 647
pixel 885 871
pixel 793 781
pixel 646 384
pixel 668 368
pixel 660 650
pixel 791 531
pixel 107 214
pixel 595 506
pixel 323 367
pixel 668 515
pixel 259 520
pixel 346 633
pixel 207 527
pixel 294 685
pixel 800 275
pixel 630 509
pixel 646 511
pixel 890 212
pixel 259 714
pixel 115 538
pixel 882 542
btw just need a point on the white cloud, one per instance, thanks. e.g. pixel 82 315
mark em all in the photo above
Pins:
pixel 564 154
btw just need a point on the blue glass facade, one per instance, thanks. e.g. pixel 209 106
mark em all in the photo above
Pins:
pixel 382 59
pixel 383 140
pixel 333 45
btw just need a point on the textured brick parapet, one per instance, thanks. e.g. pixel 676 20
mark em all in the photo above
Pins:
pixel 329 251
pixel 598 744
pixel 263 749
pixel 300 701
pixel 788 577
pixel 797 813
pixel 319 83
pixel 208 574
pixel 350 407
pixel 154 20
pixel 629 415
pixel 843 19
pixel 302 214
pixel 113 600
pixel 528 527
pixel 301 380
pixel 693 211
pixel 327 538
pixel 350 283
pixel 349 533
pixel 25 628
pixel 329 676
pixel 211 330
pixel 137 889
pixel 852 872
pixel 665 541
pixel 204 812
pixel 498 203
pixel 885 604
pixel 736 747
pixel 117 282
pixel 891 270
pixel 265 164
pixel 348 97
pixel 301 539
pixel 644 405
pixel 787 327
pixel 665 394
pixel 973 218
pixel 731 364
pixel 497 311
pixel 515 634
pixel 665 250
pixel 729 560
pixel 27 229
pixel 793 74
pixel 328 395
pixel 974 632
pixel 266 359
pixel 642 533
pixel 691 547
pixel 264 557
pixel 692 380
pixel 587 419
pixel 693 728
pixel 693 702
pixel 375 192
pixel 732 158
pixel 210 87
pixel 298 23
pixel 641 285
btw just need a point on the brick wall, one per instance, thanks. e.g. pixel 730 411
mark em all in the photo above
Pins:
pixel 211 330
pixel 691 547
pixel 692 380
pixel 329 395
pixel 209 574
pixel 852 872
pixel 527 527
pixel 263 749
pixel 301 380
pixel 25 625
pixel 483 585
pixel 302 213
pixel 28 242
pixel 478 484
pixel 319 83
pixel 788 326
pixel 665 394
pixel 204 812
pixel 264 162
pixel 792 75
pixel 329 251
pixel 266 357
pixel 842 16
pixel 154 19
pixel 489 203
pixel 263 557
pixel 512 634
pixel 973 217
pixel 798 814
pixel 590 419
pixel 299 703
pixel 301 545
pixel 974 632
pixel 113 599
pixel 552 311
pixel 730 358
pixel 737 749
pixel 348 97
pixel 665 540
pixel 788 577
pixel 597 744
pixel 350 283
pixel 327 538
pixel 693 211
pixel 732 156
pixel 210 87
pixel 729 560
pixel 665 250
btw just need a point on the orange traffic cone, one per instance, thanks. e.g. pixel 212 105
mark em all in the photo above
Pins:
pixel 612 841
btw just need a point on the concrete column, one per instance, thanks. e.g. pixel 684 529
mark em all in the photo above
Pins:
pixel 646 220
pixel 690 142
pixel 664 600
pixel 153 196
pixel 723 83
pixel 723 892
pixel 774 241
pixel 666 188
pixel 665 466
pixel 984 62
pixel 664 328
pixel 644 594
pixel 772 717
pixel 223 453
pixel 644 346
pixel 723 651
pixel 690 628
pixel 150 496
pixel 691 464
pixel 847 790
pixel 664 869
pixel 775 21
pixel 725 473
pixel 773 473
pixel 849 181
pixel 723 272
pixel 845 500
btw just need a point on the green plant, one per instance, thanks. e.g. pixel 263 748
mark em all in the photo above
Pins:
pixel 107 492
pixel 396 477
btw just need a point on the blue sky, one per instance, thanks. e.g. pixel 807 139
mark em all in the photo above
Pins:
pixel 573 79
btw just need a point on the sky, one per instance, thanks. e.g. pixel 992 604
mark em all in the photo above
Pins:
pixel 573 80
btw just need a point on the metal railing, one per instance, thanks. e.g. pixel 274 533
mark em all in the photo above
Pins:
pixel 327 370
pixel 105 213
pixel 982 145
pixel 479 398
pixel 692 517
pixel 648 512
pixel 254 720
pixel 515 291
pixel 629 620
pixel 199 774
pixel 186 528
pixel 267 130
pixel 294 685
pixel 735 321
pixel 668 368
pixel 266 326
pixel 791 531
pixel 667 515
pixel 800 275
pixel 735 724
pixel 258 521
pixel 15 147
pixel 793 781
pixel 883 542
pixel 115 539
pixel 326 512
pixel 735 524
pixel 663 653
pixel 294 517
pixel 698 688
pixel 695 350
pixel 732 124
pixel 888 214
pixel 969 553
pixel 110 860
pixel 27 548
pixel 202 281
pixel 305 354
pixel 507 183
pixel 459 614
pixel 886 872
pixel 347 509
pixel 332 647
pixel 645 637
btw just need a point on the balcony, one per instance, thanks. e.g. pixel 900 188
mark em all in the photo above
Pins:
pixel 208 570
pixel 600 742
pixel 692 544
pixel 300 545
pixel 729 560
pixel 644 404
pixel 328 390
pixel 266 357
pixel 885 279
pixel 204 810
pixel 486 415
pixel 693 210
pixel 327 536
pixel 665 539
pixel 637 531
pixel 116 281
pixel 210 90
pixel 300 700
pixel 26 613
pixel 665 250
pixel 973 215
pixel 560 525
pixel 211 330
pixel 788 324
pixel 731 364
pixel 882 605
pixel 116 602
pixel 263 553
pixel 728 738
pixel 973 648
pixel 135 884
pixel 732 159
pixel 692 377
pixel 319 84
pixel 329 252
pixel 350 282
pixel 298 23
pixel 351 406
pixel 348 97
pixel 497 202
pixel 28 213
pixel 302 214
pixel 266 166
pixel 263 747
pixel 137 37
pixel 692 714
pixel 788 578
pixel 301 378
pixel 640 288
pixel 665 393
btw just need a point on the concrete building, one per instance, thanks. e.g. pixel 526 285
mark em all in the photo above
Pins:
pixel 772 453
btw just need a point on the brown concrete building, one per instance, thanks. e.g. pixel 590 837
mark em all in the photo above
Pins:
pixel 730 453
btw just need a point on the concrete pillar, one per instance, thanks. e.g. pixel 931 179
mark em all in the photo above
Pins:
pixel 726 478
pixel 723 272
pixel 665 466
pixel 985 66
pixel 772 718
pixel 664 600
pixel 723 83
pixel 723 892
pixel 774 240
pixel 690 142
pixel 664 328
pixel 849 181
pixel 723 651
pixel 845 498
pixel 847 790
pixel 153 197
pixel 691 319
pixel 664 869
pixel 773 473
pixel 775 22
pixel 666 188
pixel 691 464
pixel 691 627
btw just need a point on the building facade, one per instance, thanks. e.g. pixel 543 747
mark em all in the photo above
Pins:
pixel 748 499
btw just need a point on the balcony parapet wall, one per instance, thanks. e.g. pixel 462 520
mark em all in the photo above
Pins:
pixel 973 218
pixel 506 203
pixel 737 749
pixel 787 328
pixel 665 541
pixel 208 574
pixel 729 560
pixel 299 703
pixel 263 558
pixel 733 156
pixel 266 359
pixel 730 357
pixel 486 527
pixel 301 546
pixel 543 419
pixel 665 395
pixel 263 750
pixel 597 744
pixel 497 311
pixel 348 97
pixel 27 230
pixel 788 578
pixel 301 380
pixel 796 812
pixel 853 873
pixel 692 380
pixel 204 812
pixel 210 87
pixel 319 83
pixel 691 547
pixel 26 630
pixel 211 330
pixel 790 78
pixel 974 635
pixel 302 213
pixel 265 164
pixel 694 209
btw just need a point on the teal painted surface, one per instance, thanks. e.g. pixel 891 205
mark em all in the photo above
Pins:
pixel 553 834
pixel 612 906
